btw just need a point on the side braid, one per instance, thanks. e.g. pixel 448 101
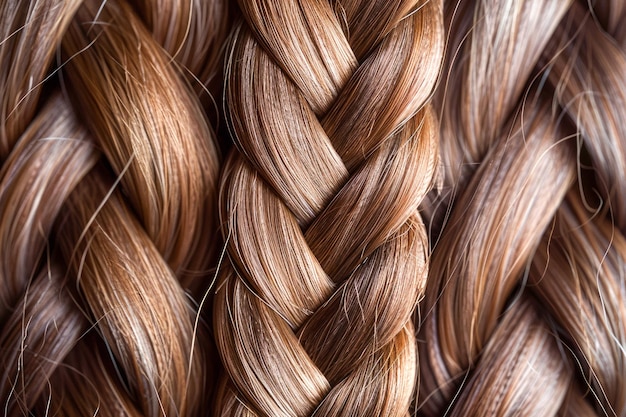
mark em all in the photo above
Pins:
pixel 524 309
pixel 106 199
pixel 327 253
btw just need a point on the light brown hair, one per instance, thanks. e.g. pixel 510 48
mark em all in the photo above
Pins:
pixel 311 208
pixel 336 147
pixel 525 303
pixel 107 204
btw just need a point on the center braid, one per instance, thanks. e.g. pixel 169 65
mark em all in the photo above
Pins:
pixel 326 260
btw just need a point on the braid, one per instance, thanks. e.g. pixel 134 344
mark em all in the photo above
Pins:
pixel 522 310
pixel 115 232
pixel 42 317
pixel 479 258
pixel 170 163
pixel 155 353
pixel 420 209
pixel 578 275
pixel 336 149
pixel 594 65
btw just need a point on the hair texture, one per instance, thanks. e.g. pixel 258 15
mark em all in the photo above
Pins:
pixel 525 305
pixel 107 206
pixel 313 208
pixel 336 148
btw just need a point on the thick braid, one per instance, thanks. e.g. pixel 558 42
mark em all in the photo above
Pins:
pixel 332 234
pixel 30 176
pixel 490 49
pixel 327 253
pixel 580 266
pixel 98 259
pixel 471 279
pixel 140 309
pixel 480 257
pixel 527 266
pixel 37 171
pixel 134 301
pixel 170 164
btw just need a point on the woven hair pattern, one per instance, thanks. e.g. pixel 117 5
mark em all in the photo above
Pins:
pixel 525 301
pixel 307 208
pixel 326 248
pixel 109 184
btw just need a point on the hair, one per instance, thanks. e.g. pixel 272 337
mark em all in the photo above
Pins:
pixel 525 304
pixel 311 208
pixel 327 324
pixel 109 181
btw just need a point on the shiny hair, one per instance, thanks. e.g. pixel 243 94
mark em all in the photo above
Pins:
pixel 336 147
pixel 107 206
pixel 525 308
pixel 310 208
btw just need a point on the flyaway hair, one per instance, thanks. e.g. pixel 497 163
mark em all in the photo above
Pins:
pixel 526 299
pixel 336 148
pixel 297 208
pixel 107 205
